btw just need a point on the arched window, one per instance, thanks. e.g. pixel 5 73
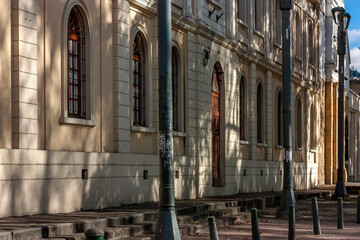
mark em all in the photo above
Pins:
pixel 138 81
pixel 259 111
pixel 312 127
pixel 279 118
pixel 278 20
pixel 298 35
pixel 311 44
pixel 175 89
pixel 298 123
pixel 242 10
pixel 259 15
pixel 77 78
pixel 242 108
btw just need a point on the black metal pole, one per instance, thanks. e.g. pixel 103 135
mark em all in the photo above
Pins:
pixel 316 220
pixel 291 223
pixel 340 189
pixel 213 229
pixel 167 226
pixel 288 197
pixel 340 214
pixel 358 210
pixel 255 225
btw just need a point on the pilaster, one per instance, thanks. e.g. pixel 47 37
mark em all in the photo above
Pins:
pixel 267 30
pixel 269 115
pixel 251 22
pixel 306 136
pixel 121 41
pixel 231 19
pixel 252 112
pixel 24 74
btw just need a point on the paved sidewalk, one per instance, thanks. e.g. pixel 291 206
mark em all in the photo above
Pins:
pixel 272 228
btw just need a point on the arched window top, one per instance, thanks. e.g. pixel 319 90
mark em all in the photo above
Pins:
pixel 217 77
pixel 259 88
pixel 138 48
pixel 175 87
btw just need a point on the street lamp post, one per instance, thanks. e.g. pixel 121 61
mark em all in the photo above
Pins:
pixel 288 198
pixel 167 226
pixel 342 19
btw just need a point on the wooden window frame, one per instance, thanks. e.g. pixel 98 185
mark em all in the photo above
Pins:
pixel 242 92
pixel 139 81
pixel 76 55
pixel 259 112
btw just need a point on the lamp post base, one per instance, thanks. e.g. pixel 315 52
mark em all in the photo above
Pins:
pixel 340 190
pixel 287 200
pixel 167 225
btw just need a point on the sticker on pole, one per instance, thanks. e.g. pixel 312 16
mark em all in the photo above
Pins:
pixel 166 149
pixel 287 156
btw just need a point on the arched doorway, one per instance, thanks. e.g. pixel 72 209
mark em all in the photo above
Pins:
pixel 216 125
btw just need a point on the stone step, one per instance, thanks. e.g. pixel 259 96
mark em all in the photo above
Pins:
pixel 137 238
pixel 59 229
pixel 127 231
pixel 74 236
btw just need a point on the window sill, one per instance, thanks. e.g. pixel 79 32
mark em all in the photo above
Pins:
pixel 298 58
pixel 244 142
pixel 277 45
pixel 215 4
pixel 241 22
pixel 179 134
pixel 299 149
pixel 257 32
pixel 77 122
pixel 142 129
pixel 313 150
pixel 261 144
pixel 279 147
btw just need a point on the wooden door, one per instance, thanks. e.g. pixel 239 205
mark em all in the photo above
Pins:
pixel 215 124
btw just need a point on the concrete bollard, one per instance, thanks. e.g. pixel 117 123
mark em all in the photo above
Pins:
pixel 94 234
pixel 291 222
pixel 340 214
pixel 212 229
pixel 316 220
pixel 255 225
pixel 358 210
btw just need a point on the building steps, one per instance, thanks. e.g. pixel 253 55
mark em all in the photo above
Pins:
pixel 133 223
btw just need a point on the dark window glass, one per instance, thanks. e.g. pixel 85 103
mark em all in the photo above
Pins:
pixel 259 114
pixel 279 119
pixel 76 65
pixel 175 88
pixel 242 108
pixel 299 124
pixel 138 67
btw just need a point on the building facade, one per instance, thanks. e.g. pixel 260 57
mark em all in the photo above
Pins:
pixel 79 85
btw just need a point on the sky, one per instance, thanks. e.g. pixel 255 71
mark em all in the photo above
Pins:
pixel 353 7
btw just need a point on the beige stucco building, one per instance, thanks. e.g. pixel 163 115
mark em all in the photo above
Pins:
pixel 79 127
